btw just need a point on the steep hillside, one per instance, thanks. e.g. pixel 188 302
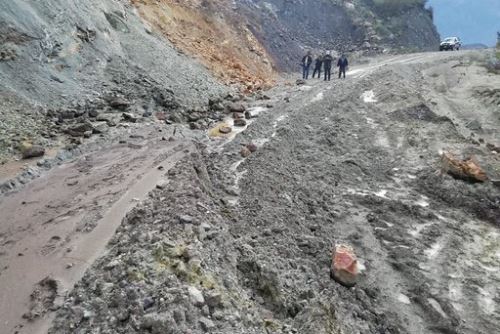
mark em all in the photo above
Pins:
pixel 243 30
pixel 216 35
pixel 288 27
pixel 64 63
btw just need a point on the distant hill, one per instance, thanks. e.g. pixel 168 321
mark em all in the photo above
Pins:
pixel 474 46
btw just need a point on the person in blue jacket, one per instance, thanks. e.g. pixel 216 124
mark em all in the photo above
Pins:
pixel 342 64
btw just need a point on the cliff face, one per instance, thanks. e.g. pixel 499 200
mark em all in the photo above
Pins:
pixel 288 27
pixel 256 34
pixel 216 35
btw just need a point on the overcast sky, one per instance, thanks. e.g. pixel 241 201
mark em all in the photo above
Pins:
pixel 474 21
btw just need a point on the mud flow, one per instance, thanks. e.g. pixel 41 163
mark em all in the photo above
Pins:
pixel 231 229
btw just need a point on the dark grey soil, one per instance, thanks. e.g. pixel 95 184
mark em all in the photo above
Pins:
pixel 236 245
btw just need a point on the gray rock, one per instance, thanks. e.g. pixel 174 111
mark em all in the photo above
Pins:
pixel 129 117
pixel 206 324
pixel 240 122
pixel 196 296
pixel 186 219
pixel 119 103
pixel 34 151
pixel 213 299
pixel 162 184
pixel 236 107
pixel 93 113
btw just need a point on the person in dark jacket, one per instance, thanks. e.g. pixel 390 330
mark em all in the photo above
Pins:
pixel 317 66
pixel 306 64
pixel 342 65
pixel 327 65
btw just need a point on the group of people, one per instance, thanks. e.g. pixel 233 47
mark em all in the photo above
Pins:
pixel 323 61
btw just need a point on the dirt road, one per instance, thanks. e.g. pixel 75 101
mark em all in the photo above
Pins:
pixel 243 245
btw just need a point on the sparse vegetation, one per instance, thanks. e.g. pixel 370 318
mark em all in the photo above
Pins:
pixel 493 63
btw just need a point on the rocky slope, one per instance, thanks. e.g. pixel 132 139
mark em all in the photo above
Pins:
pixel 249 32
pixel 64 65
pixel 61 66
pixel 288 28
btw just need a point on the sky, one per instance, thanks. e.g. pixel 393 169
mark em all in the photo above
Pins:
pixel 474 21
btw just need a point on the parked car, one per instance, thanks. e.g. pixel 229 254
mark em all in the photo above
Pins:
pixel 450 43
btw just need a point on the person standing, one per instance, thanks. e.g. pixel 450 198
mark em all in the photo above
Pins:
pixel 342 65
pixel 327 65
pixel 317 66
pixel 306 64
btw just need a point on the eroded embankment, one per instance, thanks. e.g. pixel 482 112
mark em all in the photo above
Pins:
pixel 216 35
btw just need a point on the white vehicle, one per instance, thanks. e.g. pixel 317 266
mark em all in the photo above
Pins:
pixel 450 43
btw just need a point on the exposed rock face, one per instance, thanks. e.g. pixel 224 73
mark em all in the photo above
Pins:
pixel 254 36
pixel 288 28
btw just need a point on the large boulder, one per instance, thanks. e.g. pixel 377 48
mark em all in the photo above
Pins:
pixel 31 151
pixel 468 169
pixel 344 267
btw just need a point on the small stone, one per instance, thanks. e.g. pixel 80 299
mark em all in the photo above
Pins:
pixel 69 266
pixel 474 125
pixel 225 130
pixel 217 106
pixel 240 122
pixel 252 147
pixel 236 107
pixel 193 117
pixel 206 324
pixel 100 128
pixel 161 184
pixel 196 296
pixel 119 103
pixel 93 113
pixel 245 152
pixel 344 268
pixel 238 115
pixel 129 117
pixel 213 299
pixel 148 302
pixel 300 82
pixel 186 219
pixel 102 118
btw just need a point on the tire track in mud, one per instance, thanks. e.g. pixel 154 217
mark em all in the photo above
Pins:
pixel 438 311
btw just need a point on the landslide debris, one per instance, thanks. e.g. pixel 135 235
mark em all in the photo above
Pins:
pixel 88 69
